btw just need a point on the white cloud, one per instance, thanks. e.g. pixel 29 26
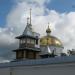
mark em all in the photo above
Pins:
pixel 62 24
pixel 2 60
pixel 36 2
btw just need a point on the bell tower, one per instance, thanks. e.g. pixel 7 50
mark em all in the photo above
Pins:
pixel 28 43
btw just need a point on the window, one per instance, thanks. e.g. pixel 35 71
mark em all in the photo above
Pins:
pixel 28 40
pixel 22 41
pixel 32 41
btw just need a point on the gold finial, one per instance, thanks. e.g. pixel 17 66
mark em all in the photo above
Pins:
pixel 48 30
pixel 30 15
pixel 48 25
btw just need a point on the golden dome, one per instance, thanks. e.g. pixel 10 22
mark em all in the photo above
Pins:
pixel 50 40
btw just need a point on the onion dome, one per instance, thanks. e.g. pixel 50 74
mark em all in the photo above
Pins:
pixel 48 30
pixel 49 39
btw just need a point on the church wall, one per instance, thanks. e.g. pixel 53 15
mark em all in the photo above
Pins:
pixel 37 56
pixel 57 50
pixel 57 69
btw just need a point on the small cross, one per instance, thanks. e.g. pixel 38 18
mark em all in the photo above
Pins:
pixel 48 24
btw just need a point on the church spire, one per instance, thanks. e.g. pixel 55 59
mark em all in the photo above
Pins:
pixel 48 30
pixel 30 16
pixel 27 20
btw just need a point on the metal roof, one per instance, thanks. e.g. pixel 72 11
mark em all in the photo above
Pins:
pixel 26 48
pixel 28 32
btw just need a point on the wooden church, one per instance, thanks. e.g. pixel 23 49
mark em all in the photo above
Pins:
pixel 28 43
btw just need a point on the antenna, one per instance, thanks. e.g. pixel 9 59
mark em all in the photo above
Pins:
pixel 30 15
pixel 27 20
pixel 48 24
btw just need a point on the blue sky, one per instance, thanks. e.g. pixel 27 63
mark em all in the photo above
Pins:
pixel 58 5
pixel 5 7
pixel 62 5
